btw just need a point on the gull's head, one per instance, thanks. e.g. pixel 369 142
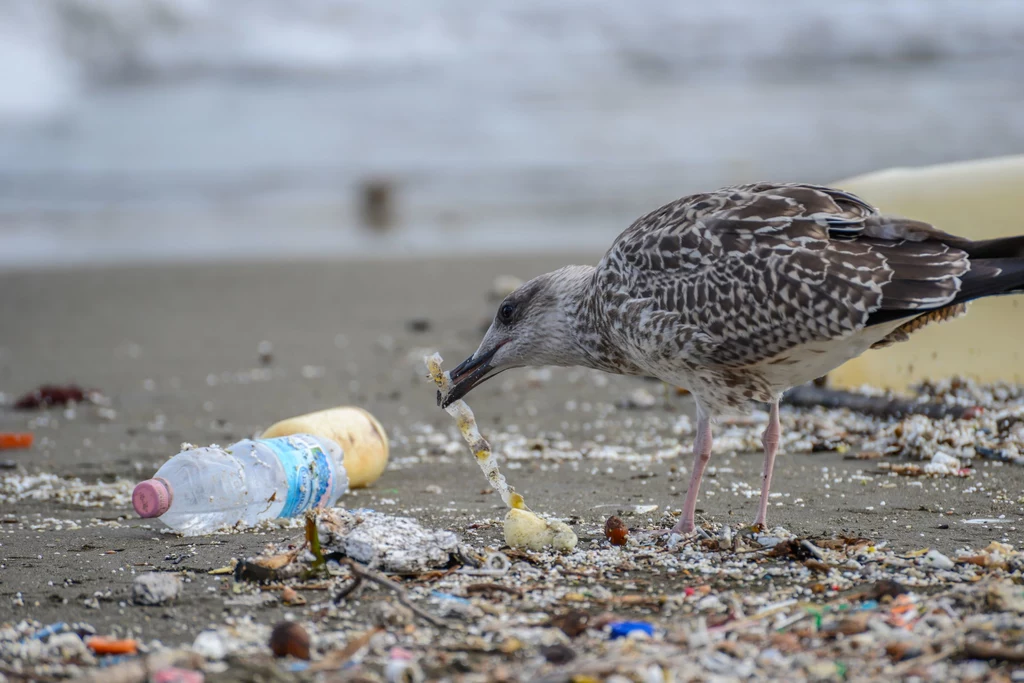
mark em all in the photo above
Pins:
pixel 534 325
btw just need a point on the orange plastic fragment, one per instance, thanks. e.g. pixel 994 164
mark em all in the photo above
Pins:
pixel 16 440
pixel 110 646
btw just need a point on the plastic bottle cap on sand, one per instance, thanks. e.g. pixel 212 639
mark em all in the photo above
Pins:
pixel 152 498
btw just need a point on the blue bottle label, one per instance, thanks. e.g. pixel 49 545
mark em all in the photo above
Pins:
pixel 308 469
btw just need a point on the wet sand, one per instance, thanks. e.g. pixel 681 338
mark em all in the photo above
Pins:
pixel 174 348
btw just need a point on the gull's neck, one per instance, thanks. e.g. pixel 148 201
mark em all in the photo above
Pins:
pixel 594 347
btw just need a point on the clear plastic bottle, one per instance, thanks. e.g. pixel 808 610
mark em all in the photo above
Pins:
pixel 201 490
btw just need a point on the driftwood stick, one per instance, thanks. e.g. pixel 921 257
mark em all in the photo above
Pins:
pixel 361 572
pixel 808 396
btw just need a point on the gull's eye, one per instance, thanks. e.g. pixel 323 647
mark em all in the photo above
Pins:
pixel 506 312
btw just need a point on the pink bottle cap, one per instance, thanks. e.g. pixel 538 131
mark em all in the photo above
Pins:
pixel 152 498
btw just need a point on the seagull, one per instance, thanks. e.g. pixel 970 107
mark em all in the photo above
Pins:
pixel 738 295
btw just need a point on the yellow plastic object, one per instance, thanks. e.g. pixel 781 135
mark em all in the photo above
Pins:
pixel 363 441
pixel 976 199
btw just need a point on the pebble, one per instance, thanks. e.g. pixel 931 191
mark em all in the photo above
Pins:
pixel 289 638
pixel 155 588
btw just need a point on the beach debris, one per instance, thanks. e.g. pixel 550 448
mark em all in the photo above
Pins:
pixel 558 654
pixel 936 560
pixel 210 645
pixel 395 544
pixel 616 531
pixel 418 325
pixel 155 588
pixel 809 396
pixel 272 566
pixel 363 440
pixel 49 395
pixel 362 573
pixel 572 623
pixel 629 629
pixel 174 674
pixel 402 667
pixel 112 646
pixel 16 440
pixel 289 639
pixel 141 669
pixel 265 351
pixel 638 399
pixel 523 528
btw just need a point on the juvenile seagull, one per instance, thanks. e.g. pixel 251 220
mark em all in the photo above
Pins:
pixel 740 294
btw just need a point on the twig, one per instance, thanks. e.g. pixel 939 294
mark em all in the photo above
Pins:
pixel 313 538
pixel 924 660
pixel 808 396
pixel 979 650
pixel 362 572
pixel 337 658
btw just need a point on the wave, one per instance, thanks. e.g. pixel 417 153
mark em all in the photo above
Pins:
pixel 51 49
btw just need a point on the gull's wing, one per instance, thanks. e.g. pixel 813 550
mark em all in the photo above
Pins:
pixel 738 276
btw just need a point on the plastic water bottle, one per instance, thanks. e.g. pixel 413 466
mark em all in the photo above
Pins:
pixel 201 490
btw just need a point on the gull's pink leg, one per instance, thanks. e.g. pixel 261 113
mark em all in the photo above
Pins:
pixel 701 455
pixel 770 440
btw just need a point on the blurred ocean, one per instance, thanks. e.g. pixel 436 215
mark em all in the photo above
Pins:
pixel 212 129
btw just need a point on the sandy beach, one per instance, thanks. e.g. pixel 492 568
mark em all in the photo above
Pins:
pixel 175 351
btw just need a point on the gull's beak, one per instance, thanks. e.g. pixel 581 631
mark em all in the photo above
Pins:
pixel 468 374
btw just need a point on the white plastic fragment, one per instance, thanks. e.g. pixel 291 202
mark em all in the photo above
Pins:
pixel 210 645
pixel 941 463
pixel 936 560
pixel 523 528
pixel 397 544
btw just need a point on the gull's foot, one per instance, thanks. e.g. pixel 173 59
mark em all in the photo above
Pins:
pixel 683 527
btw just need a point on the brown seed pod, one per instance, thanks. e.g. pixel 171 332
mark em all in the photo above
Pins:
pixel 615 530
pixel 288 638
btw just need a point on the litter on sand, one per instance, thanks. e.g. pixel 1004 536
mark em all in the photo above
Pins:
pixel 523 528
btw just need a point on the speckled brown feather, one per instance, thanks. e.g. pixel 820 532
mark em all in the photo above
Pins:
pixel 715 285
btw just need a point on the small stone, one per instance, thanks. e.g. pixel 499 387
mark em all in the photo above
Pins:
pixel 418 325
pixel 388 614
pixel 155 588
pixel 290 596
pixel 709 603
pixel 639 399
pixel 266 352
pixel 558 654
pixel 572 623
pixel 289 638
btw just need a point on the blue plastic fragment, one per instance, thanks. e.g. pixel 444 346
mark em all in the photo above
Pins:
pixel 298 666
pixel 110 660
pixel 448 596
pixel 621 629
pixel 50 630
pixel 869 604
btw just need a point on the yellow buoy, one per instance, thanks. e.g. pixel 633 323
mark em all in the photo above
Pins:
pixel 975 199
pixel 363 441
